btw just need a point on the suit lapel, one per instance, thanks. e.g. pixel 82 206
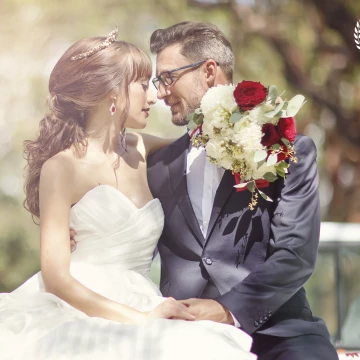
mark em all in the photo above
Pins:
pixel 177 170
pixel 226 187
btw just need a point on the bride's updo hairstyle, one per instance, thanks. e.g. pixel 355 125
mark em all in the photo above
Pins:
pixel 88 73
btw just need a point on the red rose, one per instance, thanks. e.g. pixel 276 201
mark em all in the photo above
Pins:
pixel 248 94
pixel 271 135
pixel 287 129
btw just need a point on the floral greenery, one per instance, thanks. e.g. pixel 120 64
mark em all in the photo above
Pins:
pixel 249 130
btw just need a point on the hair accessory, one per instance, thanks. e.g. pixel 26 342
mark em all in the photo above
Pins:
pixel 112 108
pixel 108 41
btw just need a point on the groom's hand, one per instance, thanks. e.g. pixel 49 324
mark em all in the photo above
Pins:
pixel 208 309
pixel 72 240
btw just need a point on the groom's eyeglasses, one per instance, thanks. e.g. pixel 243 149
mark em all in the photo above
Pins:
pixel 165 77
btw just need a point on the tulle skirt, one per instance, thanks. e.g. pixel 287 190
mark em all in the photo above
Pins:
pixel 38 325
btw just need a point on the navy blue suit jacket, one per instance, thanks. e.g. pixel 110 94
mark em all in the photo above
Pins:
pixel 259 260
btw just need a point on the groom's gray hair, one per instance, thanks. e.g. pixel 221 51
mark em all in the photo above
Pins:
pixel 199 41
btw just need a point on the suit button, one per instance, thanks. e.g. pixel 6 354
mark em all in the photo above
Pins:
pixel 208 261
pixel 256 323
pixel 269 313
pixel 261 321
pixel 266 317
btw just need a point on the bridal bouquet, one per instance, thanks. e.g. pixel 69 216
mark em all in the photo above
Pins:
pixel 249 130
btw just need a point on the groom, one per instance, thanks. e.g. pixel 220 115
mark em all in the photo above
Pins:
pixel 227 263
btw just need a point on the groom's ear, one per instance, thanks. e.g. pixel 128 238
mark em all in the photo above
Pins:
pixel 210 72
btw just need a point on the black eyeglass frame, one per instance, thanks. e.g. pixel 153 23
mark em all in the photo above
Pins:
pixel 169 72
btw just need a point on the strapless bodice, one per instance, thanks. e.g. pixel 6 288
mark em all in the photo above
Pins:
pixel 112 231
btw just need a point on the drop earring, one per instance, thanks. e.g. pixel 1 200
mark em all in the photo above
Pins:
pixel 113 107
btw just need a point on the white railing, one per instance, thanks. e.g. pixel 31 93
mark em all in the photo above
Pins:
pixel 334 237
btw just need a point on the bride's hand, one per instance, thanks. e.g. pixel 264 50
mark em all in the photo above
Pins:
pixel 170 308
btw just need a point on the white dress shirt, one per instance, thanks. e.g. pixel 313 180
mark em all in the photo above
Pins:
pixel 203 179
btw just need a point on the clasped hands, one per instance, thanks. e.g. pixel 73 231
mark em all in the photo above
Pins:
pixel 206 309
pixel 195 309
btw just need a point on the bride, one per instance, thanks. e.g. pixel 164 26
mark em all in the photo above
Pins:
pixel 86 173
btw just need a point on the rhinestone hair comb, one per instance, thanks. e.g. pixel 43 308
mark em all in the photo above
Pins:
pixel 108 41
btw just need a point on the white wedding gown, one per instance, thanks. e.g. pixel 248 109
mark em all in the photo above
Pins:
pixel 115 245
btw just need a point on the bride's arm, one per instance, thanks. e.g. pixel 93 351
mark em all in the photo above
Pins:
pixel 153 143
pixel 57 184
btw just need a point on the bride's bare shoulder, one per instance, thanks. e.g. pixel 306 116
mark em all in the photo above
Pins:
pixel 63 161
pixel 60 169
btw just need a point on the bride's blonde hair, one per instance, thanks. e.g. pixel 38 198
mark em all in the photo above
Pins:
pixel 76 86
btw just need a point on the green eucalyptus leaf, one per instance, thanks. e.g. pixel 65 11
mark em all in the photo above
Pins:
pixel 241 185
pixel 294 105
pixel 285 141
pixel 264 196
pixel 198 119
pixel 235 117
pixel 282 165
pixel 281 175
pixel 260 164
pixel 281 172
pixel 198 111
pixel 272 93
pixel 275 147
pixel 192 125
pixel 270 177
pixel 251 186
pixel 274 112
pixel 272 159
pixel 260 155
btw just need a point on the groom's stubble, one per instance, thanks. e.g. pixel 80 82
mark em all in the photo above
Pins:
pixel 190 103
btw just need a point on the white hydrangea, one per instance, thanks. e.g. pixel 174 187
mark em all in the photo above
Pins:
pixel 220 96
pixel 248 136
pixel 218 117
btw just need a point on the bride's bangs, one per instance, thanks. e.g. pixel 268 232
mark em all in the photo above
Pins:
pixel 140 64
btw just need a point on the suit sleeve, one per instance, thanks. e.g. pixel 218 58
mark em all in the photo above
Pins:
pixel 293 245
